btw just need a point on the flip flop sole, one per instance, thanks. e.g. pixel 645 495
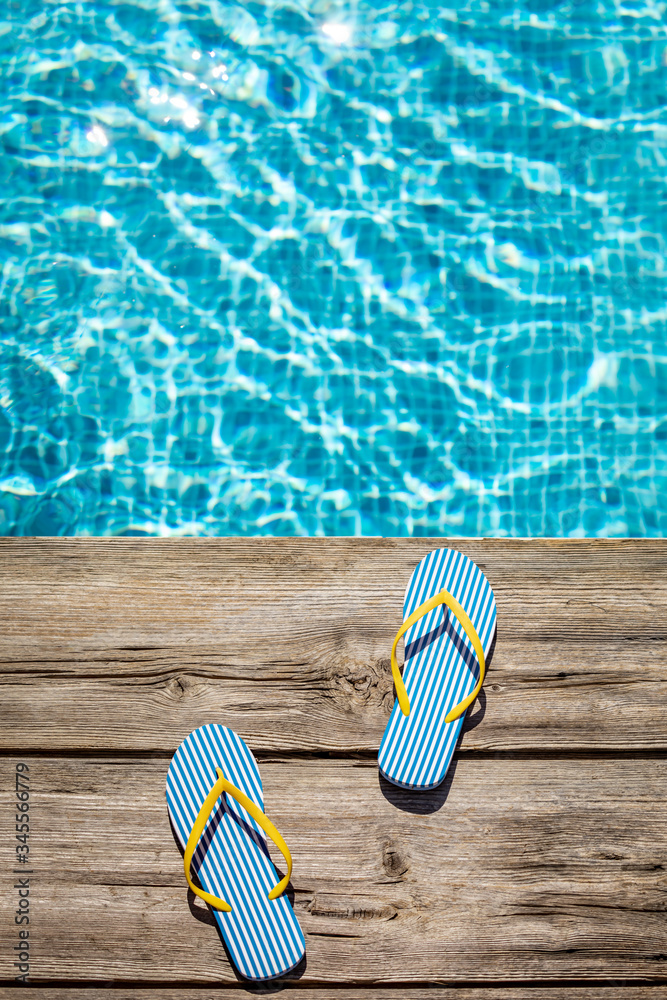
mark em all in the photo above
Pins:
pixel 440 669
pixel 232 861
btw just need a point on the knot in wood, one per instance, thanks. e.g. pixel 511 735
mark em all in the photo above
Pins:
pixel 358 681
pixel 177 686
pixel 393 862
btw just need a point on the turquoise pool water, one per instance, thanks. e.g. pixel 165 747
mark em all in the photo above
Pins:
pixel 316 267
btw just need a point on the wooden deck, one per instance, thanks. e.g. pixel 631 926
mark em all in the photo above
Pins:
pixel 539 868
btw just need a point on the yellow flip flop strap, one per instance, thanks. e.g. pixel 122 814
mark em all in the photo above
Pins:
pixel 444 597
pixel 222 785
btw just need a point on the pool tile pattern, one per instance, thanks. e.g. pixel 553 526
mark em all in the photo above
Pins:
pixel 324 268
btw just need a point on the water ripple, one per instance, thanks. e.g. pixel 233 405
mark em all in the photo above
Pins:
pixel 333 268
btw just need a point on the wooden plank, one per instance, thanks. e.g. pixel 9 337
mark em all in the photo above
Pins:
pixel 614 991
pixel 313 695
pixel 526 869
pixel 130 644
pixel 114 593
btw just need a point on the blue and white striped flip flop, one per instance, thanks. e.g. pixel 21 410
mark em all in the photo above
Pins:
pixel 445 650
pixel 215 801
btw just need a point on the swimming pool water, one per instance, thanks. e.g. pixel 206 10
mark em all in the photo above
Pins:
pixel 318 267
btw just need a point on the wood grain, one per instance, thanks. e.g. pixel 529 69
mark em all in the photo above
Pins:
pixel 613 991
pixel 538 695
pixel 110 593
pixel 122 644
pixel 541 863
pixel 525 870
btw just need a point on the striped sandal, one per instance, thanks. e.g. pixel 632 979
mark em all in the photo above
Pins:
pixel 443 670
pixel 215 802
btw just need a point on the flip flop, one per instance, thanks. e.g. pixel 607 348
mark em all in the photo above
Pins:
pixel 449 624
pixel 215 802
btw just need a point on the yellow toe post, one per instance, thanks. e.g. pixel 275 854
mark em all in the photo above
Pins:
pixel 444 597
pixel 220 786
